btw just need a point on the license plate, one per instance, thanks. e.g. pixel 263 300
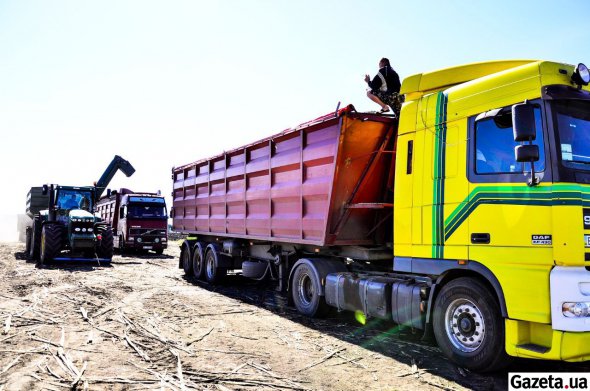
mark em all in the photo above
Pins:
pixel 147 247
pixel 587 240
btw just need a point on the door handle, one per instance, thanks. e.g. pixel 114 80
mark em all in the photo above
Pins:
pixel 480 238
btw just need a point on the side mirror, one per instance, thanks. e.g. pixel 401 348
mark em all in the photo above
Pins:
pixel 172 213
pixel 526 153
pixel 121 213
pixel 108 192
pixel 523 122
pixel 45 189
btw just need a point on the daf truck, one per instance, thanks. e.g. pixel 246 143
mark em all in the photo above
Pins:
pixel 469 215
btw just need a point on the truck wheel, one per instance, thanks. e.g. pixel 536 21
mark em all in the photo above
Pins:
pixel 198 261
pixel 213 273
pixel 50 242
pixel 185 258
pixel 255 270
pixel 35 240
pixel 106 245
pixel 305 291
pixel 159 251
pixel 469 327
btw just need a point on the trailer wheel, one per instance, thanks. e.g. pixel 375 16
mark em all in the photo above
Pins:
pixel 198 261
pixel 213 273
pixel 50 242
pixel 469 327
pixel 305 291
pixel 185 258
pixel 106 245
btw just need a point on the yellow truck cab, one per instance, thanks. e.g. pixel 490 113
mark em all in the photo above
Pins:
pixel 492 195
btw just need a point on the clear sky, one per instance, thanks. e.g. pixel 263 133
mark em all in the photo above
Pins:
pixel 164 83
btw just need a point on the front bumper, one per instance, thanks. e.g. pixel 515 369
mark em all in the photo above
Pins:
pixel 540 341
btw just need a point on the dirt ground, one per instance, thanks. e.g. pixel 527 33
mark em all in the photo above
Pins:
pixel 140 324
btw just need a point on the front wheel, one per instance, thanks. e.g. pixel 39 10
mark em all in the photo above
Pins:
pixel 469 327
pixel 50 242
pixel 106 244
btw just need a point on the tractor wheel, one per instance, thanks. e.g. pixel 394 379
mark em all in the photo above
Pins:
pixel 213 273
pixel 469 327
pixel 106 244
pixel 51 241
pixel 28 239
pixel 35 239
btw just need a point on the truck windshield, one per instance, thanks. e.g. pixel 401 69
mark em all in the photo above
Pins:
pixel 573 127
pixel 147 211
pixel 74 199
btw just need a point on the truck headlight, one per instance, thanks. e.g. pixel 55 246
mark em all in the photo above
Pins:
pixel 576 310
pixel 77 229
pixel 581 75
pixel 89 229
pixel 157 240
pixel 138 240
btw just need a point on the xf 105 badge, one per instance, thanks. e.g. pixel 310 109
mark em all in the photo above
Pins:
pixel 542 240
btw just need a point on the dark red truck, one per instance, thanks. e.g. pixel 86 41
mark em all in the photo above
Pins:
pixel 139 220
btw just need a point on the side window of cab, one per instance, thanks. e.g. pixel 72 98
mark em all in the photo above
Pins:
pixel 491 148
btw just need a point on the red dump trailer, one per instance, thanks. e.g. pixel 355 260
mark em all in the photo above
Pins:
pixel 295 207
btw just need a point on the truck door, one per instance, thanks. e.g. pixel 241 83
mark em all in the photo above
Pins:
pixel 509 222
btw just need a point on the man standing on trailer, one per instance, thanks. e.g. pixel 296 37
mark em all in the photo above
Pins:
pixel 384 88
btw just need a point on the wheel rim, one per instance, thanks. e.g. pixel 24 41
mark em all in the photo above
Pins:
pixel 464 325
pixel 210 266
pixel 305 289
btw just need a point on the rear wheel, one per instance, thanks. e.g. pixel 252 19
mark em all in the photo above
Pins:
pixel 305 291
pixel 469 327
pixel 213 273
pixel 50 242
pixel 198 261
pixel 105 246
pixel 35 239
pixel 28 238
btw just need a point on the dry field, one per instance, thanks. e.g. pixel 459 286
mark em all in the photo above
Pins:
pixel 139 324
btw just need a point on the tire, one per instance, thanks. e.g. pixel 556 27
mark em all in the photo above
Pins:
pixel 469 327
pixel 159 251
pixel 213 273
pixel 105 247
pixel 305 292
pixel 28 239
pixel 198 262
pixel 51 241
pixel 35 239
pixel 252 269
pixel 185 258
